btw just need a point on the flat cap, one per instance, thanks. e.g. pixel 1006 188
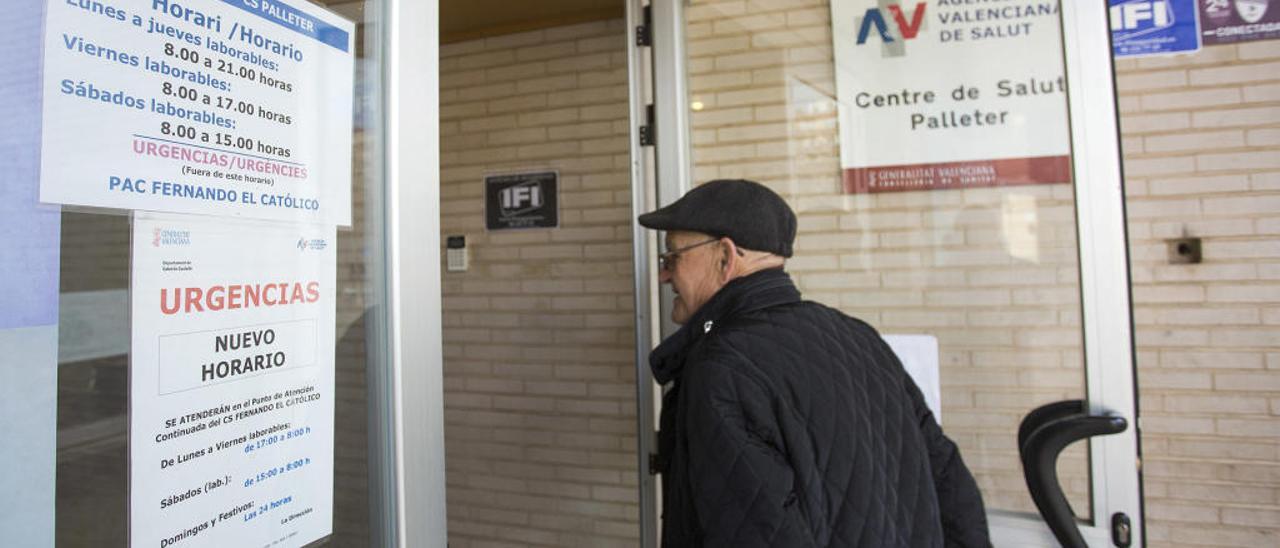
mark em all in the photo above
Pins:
pixel 753 216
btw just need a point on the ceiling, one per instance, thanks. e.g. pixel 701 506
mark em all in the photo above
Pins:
pixel 470 19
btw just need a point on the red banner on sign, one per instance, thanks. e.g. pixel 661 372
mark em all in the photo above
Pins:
pixel 1041 170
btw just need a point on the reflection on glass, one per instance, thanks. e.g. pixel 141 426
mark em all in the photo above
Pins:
pixel 990 272
pixel 92 482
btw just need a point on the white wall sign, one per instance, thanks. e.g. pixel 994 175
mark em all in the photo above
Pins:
pixel 950 94
pixel 231 383
pixel 919 356
pixel 222 107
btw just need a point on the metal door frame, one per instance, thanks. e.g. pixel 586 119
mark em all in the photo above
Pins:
pixel 1102 239
pixel 413 456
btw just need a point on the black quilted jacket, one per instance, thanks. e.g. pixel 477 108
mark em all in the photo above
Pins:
pixel 792 424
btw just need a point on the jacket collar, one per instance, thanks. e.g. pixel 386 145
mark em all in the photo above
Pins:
pixel 757 291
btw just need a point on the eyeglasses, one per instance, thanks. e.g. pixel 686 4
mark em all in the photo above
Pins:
pixel 667 261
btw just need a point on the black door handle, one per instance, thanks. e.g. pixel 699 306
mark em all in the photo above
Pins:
pixel 1042 436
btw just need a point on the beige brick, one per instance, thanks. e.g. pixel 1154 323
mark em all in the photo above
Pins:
pixel 1181 512
pixel 1212 360
pixel 1169 294
pixel 921 319
pixel 1174 425
pixel 882 298
pixel 486 123
pixel 1203 228
pixel 1251 517
pixel 1265 382
pixel 1246 338
pixel 1131 145
pixel 1234 74
pixel 516 104
pixel 456 49
pixel 1269 271
pixel 1208 316
pixel 921 279
pixel 1242 293
pixel 1170 337
pixel 719 45
pixel 1197 99
pixel 1193 141
pixel 1263 137
pixel 1206 272
pixel 1264 50
pixel 1046 296
pixel 486 59
pixel 1262 93
pixel 579 30
pixel 1129 104
pixel 542 118
pixel 1021 276
pixel 1239 161
pixel 843 280
pixel 1147 167
pixel 1264 428
pixel 1216 404
pixel 547 83
pixel 1045 337
pixel 1150 80
pixel 512 136
pixel 973 297
pixel 1235 117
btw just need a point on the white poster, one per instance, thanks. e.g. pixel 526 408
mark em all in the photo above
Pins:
pixel 219 107
pixel 942 94
pixel 231 383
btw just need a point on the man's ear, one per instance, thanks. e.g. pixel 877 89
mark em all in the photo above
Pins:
pixel 728 260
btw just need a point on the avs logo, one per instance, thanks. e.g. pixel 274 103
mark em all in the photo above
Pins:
pixel 314 244
pixel 168 237
pixel 906 29
pixel 519 199
pixel 1139 17
pixel 1251 10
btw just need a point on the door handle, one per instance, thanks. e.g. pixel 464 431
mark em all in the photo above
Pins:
pixel 1042 436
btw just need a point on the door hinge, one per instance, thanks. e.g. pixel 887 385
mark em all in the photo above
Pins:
pixel 644 32
pixel 648 131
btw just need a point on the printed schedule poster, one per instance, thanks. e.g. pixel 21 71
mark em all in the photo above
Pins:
pixel 217 107
pixel 231 383
pixel 944 94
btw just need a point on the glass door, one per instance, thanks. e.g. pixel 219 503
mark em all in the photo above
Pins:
pixel 936 157
pixel 326 458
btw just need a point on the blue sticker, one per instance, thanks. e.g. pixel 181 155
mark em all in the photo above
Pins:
pixel 1152 27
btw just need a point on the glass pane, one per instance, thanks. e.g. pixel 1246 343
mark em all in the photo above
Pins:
pixel 915 231
pixel 93 394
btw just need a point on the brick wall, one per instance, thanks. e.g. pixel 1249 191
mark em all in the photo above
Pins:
pixel 1202 159
pixel 539 339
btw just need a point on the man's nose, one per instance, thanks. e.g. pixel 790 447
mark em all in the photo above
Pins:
pixel 664 276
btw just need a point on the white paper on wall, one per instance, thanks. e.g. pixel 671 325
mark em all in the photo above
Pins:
pixel 218 107
pixel 231 382
pixel 919 355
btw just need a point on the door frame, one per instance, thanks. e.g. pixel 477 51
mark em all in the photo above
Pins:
pixel 413 461
pixel 1102 237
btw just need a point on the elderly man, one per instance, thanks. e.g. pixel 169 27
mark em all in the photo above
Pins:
pixel 787 423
